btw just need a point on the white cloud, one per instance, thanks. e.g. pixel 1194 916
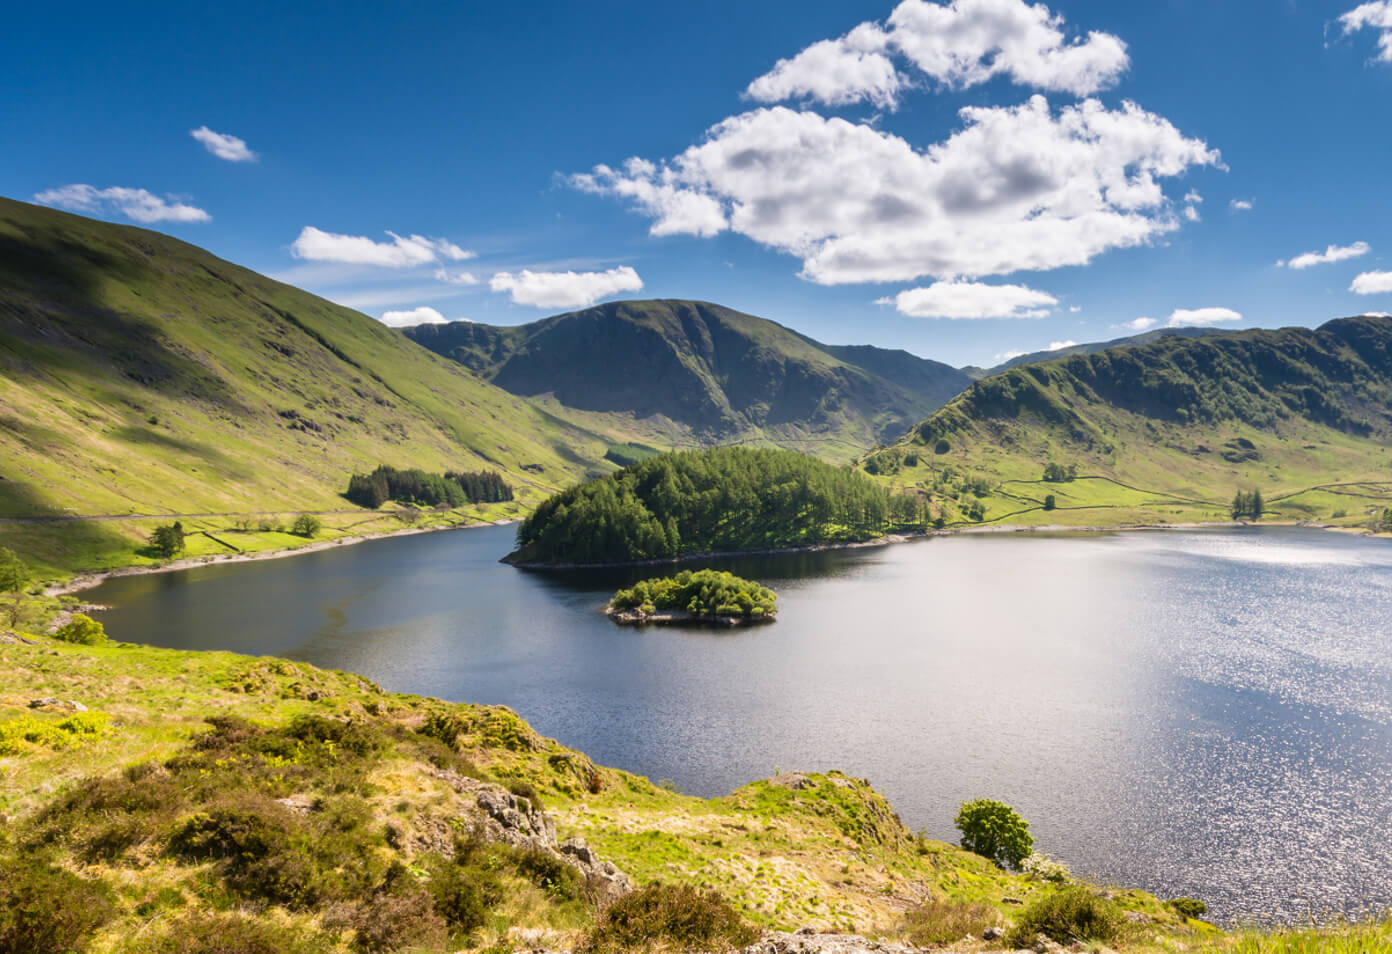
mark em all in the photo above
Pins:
pixel 136 204
pixel 401 252
pixel 959 299
pixel 1074 309
pixel 1191 213
pixel 959 44
pixel 1241 205
pixel 1376 314
pixel 415 316
pixel 223 146
pixel 1372 283
pixel 1193 197
pixel 1376 15
pixel 1139 324
pixel 456 278
pixel 1201 317
pixel 1060 345
pixel 1334 253
pixel 565 289
pixel 835 72
pixel 1017 188
pixel 1010 356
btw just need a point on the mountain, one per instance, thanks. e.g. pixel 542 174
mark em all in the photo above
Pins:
pixel 700 373
pixel 140 374
pixel 976 374
pixel 1175 425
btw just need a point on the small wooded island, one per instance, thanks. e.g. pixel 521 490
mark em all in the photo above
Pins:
pixel 694 596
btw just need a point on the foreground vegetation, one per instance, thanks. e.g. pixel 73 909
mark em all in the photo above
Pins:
pixel 700 593
pixel 724 499
pixel 208 802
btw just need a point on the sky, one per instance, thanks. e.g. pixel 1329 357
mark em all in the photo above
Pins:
pixel 964 179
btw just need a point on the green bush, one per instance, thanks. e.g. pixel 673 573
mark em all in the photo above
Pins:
pixel 994 830
pixel 1043 868
pixel 463 896
pixel 262 856
pixel 46 910
pixel 940 921
pixel 1189 907
pixel 703 592
pixel 82 629
pixel 307 525
pixel 549 873
pixel 168 539
pixel 668 918
pixel 1072 914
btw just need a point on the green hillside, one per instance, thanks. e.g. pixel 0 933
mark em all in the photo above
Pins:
pixel 1168 431
pixel 686 372
pixel 142 375
pixel 1092 347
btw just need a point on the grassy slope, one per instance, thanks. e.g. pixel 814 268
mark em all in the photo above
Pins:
pixel 826 850
pixel 139 374
pixel 1156 430
pixel 694 373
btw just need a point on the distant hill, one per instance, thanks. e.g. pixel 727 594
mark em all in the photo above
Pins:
pixel 976 374
pixel 142 374
pixel 1185 420
pixel 701 373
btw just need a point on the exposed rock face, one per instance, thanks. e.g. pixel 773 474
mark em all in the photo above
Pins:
pixel 11 638
pixel 513 820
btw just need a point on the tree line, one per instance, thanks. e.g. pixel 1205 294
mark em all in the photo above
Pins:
pixel 452 488
pixel 717 500
pixel 1248 504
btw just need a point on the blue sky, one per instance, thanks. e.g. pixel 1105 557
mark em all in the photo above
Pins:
pixel 962 179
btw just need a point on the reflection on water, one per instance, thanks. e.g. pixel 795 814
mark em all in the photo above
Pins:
pixel 1199 713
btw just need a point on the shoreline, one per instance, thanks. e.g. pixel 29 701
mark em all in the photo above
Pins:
pixel 87 581
pixel 909 536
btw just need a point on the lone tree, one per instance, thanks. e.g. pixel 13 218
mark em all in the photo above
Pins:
pixel 994 830
pixel 14 576
pixel 168 539
pixel 307 525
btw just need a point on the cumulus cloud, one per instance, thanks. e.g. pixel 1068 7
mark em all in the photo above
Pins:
pixel 1201 317
pixel 136 204
pixel 1139 324
pixel 1372 283
pixel 1060 345
pixel 1334 253
pixel 837 72
pixel 1241 205
pixel 959 299
pixel 1376 16
pixel 1017 188
pixel 401 252
pixel 959 44
pixel 414 316
pixel 565 289
pixel 223 146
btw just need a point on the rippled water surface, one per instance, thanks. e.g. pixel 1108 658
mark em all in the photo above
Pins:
pixel 1201 713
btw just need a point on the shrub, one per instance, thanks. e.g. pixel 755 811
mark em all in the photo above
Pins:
pixel 463 897
pixel 231 934
pixel 1189 907
pixel 670 918
pixel 940 921
pixel 46 910
pixel 994 830
pixel 1050 502
pixel 82 629
pixel 1072 914
pixel 262 857
pixel 549 873
pixel 400 915
pixel 307 525
pixel 1044 868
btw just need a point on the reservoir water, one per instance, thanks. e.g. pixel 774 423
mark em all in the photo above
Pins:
pixel 1203 713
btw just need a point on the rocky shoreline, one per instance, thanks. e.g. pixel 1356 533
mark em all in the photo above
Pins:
pixel 636 617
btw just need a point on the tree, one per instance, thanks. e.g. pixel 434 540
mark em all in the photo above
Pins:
pixel 307 525
pixel 1258 505
pixel 14 575
pixel 168 539
pixel 994 830
pixel 1050 502
pixel 83 630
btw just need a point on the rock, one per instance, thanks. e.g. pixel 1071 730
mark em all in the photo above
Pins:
pixel 797 781
pixel 61 705
pixel 991 933
pixel 9 637
pixel 1011 901
pixel 806 941
pixel 805 930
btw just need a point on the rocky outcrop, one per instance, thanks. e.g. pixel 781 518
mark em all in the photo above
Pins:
pixel 516 821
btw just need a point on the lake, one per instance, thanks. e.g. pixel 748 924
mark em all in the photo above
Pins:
pixel 1202 713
